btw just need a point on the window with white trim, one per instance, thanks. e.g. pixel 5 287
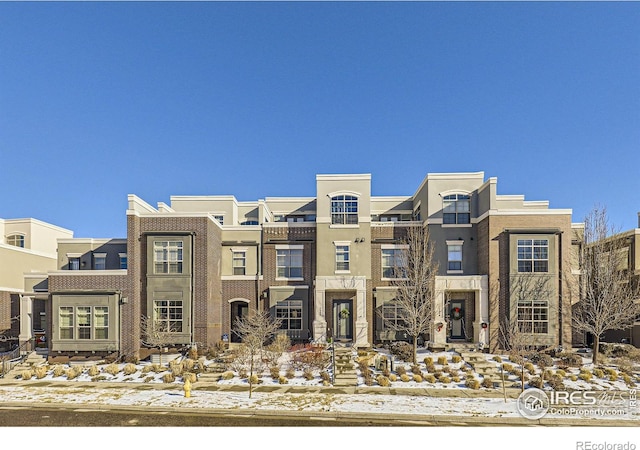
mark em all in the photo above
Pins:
pixel 84 322
pixel 342 258
pixel 167 256
pixel 74 263
pixel 290 313
pixel 167 315
pixel 533 316
pixel 454 257
pixel 394 262
pixel 66 317
pixel 239 262
pixel 101 322
pixel 99 261
pixel 533 255
pixel 289 262
pixel 17 240
pixel 344 210
pixel 456 209
pixel 219 219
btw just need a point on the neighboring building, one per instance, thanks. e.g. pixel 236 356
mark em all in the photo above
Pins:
pixel 323 265
pixel 27 252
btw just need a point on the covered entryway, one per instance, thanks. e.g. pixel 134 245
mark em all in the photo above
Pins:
pixel 343 320
pixel 239 310
pixel 456 313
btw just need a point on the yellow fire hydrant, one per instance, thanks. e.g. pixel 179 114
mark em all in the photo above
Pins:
pixel 187 388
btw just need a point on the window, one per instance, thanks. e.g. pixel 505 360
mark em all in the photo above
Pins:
pixel 533 316
pixel 99 261
pixel 344 209
pixel 393 263
pixel 84 322
pixel 239 262
pixel 392 316
pixel 289 263
pixel 456 209
pixel 290 313
pixel 101 322
pixel 66 322
pixel 167 256
pixel 250 222
pixel 17 240
pixel 123 260
pixel 454 252
pixel 167 315
pixel 74 263
pixel 342 258
pixel 533 255
pixel 219 219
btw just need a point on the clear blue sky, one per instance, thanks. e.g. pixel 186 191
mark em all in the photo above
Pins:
pixel 99 100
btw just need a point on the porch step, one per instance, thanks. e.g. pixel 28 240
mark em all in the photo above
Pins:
pixel 345 375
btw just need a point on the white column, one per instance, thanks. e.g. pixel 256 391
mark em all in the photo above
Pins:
pixel 26 319
pixel 362 326
pixel 439 331
pixel 319 320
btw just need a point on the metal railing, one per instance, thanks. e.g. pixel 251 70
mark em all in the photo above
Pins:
pixel 12 357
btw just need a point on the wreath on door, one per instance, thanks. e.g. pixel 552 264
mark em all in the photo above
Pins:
pixel 456 313
pixel 344 313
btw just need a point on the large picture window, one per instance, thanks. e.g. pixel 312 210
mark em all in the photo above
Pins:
pixel 289 263
pixel 533 255
pixel 456 209
pixel 290 313
pixel 167 315
pixel 84 322
pixel 344 210
pixel 533 316
pixel 167 256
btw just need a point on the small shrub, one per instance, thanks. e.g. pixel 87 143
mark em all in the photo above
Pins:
pixel 586 376
pixel 627 379
pixel 227 375
pixel 570 359
pixel 393 377
pixel 547 374
pixel 243 373
pixel 168 378
pixel 487 383
pixel 455 379
pixel 73 372
pixel 41 372
pixel 446 369
pixel 324 375
pixel 386 372
pixel 112 369
pixel 188 364
pixel 383 381
pixel 598 373
pixel 573 377
pixel 189 376
pixel 556 382
pixel 445 380
pixel 93 371
pixel 147 369
pixel 401 370
pixel 561 373
pixel 536 382
pixel 417 378
pixel 497 358
pixel 254 379
pixel 275 372
pixel 428 361
pixel 132 359
pixel 456 358
pixel 416 370
pixel 129 369
pixel 102 378
pixel 529 367
pixel 158 368
pixel 454 373
pixel 430 378
pixel 472 383
pixel 308 374
pixel 507 367
pixel 613 377
pixel 542 360
pixel 516 359
pixel 402 351
pixel 404 377
pixel 442 360
pixel 431 368
pixel 290 373
pixel 26 374
pixel 437 373
pixel 283 380
pixel 176 368
pixel 58 371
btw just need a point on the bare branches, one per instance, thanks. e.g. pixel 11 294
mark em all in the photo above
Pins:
pixel 156 333
pixel 608 298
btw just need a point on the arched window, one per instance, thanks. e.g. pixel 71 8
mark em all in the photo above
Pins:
pixel 16 240
pixel 456 208
pixel 344 210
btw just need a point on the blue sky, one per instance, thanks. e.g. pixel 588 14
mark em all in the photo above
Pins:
pixel 99 100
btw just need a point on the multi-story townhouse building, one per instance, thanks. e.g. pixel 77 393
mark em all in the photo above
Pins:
pixel 323 265
pixel 27 251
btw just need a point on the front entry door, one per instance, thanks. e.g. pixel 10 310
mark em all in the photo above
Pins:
pixel 457 319
pixel 238 311
pixel 343 319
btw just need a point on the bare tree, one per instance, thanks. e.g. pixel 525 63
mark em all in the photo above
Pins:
pixel 254 330
pixel 415 271
pixel 156 333
pixel 608 297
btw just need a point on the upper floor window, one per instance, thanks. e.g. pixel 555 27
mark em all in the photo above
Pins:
pixel 454 257
pixel 393 263
pixel 344 209
pixel 250 222
pixel 239 262
pixel 533 255
pixel 123 260
pixel 167 256
pixel 99 261
pixel 289 263
pixel 456 208
pixel 16 240
pixel 219 219
pixel 74 263
pixel 342 258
